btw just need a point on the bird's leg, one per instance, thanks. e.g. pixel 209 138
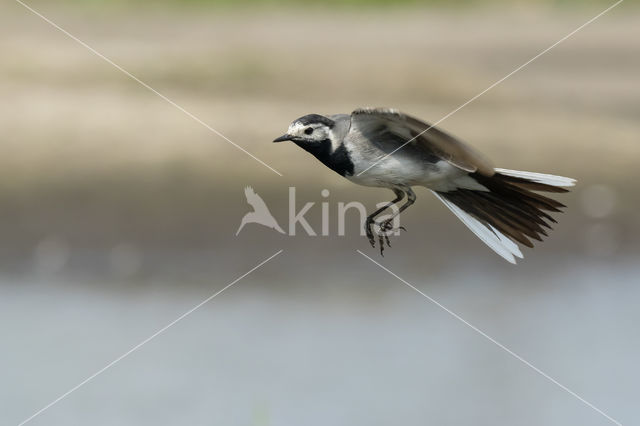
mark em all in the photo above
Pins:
pixel 371 218
pixel 387 225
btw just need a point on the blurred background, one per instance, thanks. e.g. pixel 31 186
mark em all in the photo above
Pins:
pixel 118 213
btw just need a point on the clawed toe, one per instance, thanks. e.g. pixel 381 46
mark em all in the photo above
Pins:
pixel 384 229
pixel 369 232
pixel 387 227
pixel 382 239
pixel 380 231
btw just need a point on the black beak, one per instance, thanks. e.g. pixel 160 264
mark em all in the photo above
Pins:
pixel 285 137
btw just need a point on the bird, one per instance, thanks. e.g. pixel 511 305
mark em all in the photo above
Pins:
pixel 385 148
pixel 260 213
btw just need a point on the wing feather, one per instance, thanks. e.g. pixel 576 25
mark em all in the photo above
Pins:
pixel 378 121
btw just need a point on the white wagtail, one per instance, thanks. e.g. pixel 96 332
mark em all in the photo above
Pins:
pixel 388 149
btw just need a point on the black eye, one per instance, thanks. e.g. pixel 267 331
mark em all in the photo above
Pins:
pixel 308 130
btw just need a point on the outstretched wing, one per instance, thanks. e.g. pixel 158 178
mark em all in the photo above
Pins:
pixel 254 200
pixel 376 122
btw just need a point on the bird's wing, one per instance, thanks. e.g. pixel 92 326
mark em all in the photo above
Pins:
pixel 374 123
pixel 254 200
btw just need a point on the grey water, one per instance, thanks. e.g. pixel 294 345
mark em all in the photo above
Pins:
pixel 352 345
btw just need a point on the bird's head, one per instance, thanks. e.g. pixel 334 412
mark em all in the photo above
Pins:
pixel 309 131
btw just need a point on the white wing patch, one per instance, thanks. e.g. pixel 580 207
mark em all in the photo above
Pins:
pixel 552 180
pixel 497 241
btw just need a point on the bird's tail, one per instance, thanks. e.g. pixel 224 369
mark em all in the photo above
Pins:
pixel 509 211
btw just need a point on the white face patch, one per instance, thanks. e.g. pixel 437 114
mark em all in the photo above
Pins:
pixel 311 132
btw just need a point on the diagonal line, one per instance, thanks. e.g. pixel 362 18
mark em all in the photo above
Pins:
pixel 494 84
pixel 145 341
pixel 142 83
pixel 494 341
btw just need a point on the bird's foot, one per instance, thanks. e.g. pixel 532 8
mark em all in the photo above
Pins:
pixel 369 231
pixel 386 228
pixel 381 236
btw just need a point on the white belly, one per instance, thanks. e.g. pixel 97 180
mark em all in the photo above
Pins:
pixel 402 172
pixel 394 170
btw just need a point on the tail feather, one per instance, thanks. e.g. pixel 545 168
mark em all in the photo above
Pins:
pixel 543 178
pixel 505 248
pixel 509 210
